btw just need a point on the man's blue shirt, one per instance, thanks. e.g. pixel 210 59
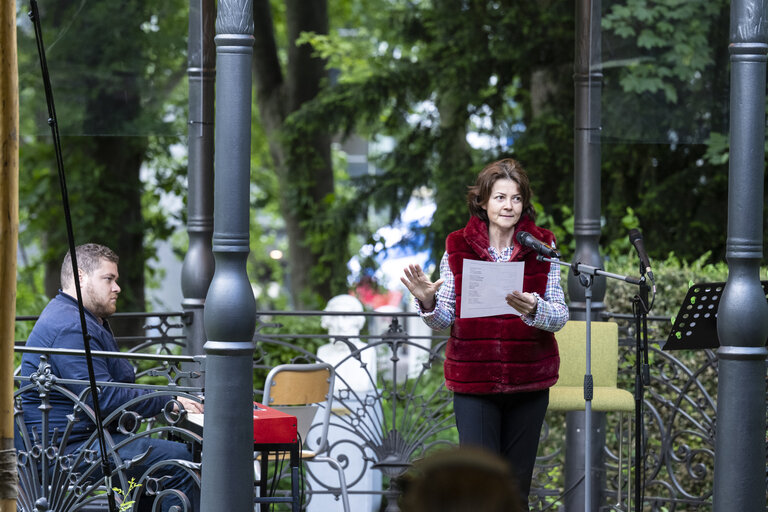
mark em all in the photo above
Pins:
pixel 59 327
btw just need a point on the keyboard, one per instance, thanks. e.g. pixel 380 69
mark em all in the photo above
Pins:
pixel 269 425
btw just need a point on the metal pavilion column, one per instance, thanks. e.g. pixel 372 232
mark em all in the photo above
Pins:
pixel 742 318
pixel 197 271
pixel 587 81
pixel 230 307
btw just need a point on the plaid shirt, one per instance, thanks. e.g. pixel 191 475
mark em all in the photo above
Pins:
pixel 551 310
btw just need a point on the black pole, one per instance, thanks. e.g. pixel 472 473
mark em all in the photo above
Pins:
pixel 35 17
pixel 742 316
pixel 230 307
pixel 640 308
pixel 197 270
pixel 587 83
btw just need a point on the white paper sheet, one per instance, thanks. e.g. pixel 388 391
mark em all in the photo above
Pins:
pixel 485 285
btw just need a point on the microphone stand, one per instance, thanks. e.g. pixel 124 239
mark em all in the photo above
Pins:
pixel 640 309
pixel 586 274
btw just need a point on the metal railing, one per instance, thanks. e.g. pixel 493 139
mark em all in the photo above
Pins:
pixel 391 408
pixel 54 476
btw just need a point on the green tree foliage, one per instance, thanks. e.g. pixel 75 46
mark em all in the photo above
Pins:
pixel 436 71
pixel 297 184
pixel 288 74
pixel 115 69
pixel 665 112
pixel 439 70
pixel 418 76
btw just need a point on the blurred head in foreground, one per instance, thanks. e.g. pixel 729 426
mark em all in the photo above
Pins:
pixel 464 479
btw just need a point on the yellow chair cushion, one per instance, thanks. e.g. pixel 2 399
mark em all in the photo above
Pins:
pixel 568 393
pixel 566 398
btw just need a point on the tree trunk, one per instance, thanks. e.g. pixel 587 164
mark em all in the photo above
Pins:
pixel 102 155
pixel 453 174
pixel 303 167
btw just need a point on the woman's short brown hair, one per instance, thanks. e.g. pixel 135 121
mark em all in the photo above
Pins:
pixel 507 169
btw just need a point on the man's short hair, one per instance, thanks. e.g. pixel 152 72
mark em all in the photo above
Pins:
pixel 89 258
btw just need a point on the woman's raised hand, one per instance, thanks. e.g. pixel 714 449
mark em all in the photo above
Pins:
pixel 419 284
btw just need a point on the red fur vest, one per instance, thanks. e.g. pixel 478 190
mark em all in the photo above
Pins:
pixel 499 354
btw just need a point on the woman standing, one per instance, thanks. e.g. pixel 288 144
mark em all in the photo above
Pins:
pixel 500 368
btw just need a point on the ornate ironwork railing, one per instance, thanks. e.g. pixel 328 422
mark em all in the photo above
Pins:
pixel 391 407
pixel 678 423
pixel 58 461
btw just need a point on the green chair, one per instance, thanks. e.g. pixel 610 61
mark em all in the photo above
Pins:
pixel 568 393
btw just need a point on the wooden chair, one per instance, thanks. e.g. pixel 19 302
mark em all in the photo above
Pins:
pixel 304 390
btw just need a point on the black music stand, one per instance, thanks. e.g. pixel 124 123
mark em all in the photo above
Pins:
pixel 695 326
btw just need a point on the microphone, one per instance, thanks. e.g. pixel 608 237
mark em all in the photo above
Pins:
pixel 636 239
pixel 528 240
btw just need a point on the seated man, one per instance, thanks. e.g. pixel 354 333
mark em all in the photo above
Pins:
pixel 59 327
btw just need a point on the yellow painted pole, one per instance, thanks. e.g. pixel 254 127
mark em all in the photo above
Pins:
pixel 9 233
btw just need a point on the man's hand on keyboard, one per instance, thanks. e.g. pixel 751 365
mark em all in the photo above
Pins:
pixel 190 405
